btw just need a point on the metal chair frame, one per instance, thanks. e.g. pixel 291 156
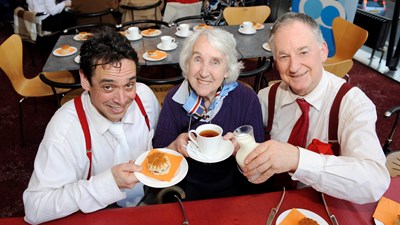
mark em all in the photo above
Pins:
pixel 94 14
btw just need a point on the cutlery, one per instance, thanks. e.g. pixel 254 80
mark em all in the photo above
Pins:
pixel 331 216
pixel 186 221
pixel 275 210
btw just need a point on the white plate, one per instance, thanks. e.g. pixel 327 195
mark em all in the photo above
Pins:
pixel 377 222
pixel 74 50
pixel 242 31
pixel 197 28
pixel 183 36
pixel 77 59
pixel 173 46
pixel 151 182
pixel 257 27
pixel 146 57
pixel 135 38
pixel 224 153
pixel 266 46
pixel 305 212
pixel 154 34
pixel 77 38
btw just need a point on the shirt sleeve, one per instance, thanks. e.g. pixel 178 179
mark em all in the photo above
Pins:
pixel 50 196
pixel 359 174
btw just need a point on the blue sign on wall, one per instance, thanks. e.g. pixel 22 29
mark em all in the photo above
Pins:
pixel 323 11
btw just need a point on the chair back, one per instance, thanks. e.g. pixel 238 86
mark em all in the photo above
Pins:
pixel 237 15
pixel 161 86
pixel 86 27
pixel 143 24
pixel 258 73
pixel 27 25
pixel 11 61
pixel 140 10
pixel 348 38
pixel 340 68
pixel 94 17
pixel 175 10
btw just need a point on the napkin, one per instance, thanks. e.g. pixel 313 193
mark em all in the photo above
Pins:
pixel 293 217
pixel 387 211
pixel 320 147
pixel 158 55
pixel 175 163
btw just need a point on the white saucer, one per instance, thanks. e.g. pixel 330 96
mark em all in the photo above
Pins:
pixel 226 150
pixel 266 46
pixel 77 59
pixel 154 34
pixel 146 57
pixel 377 222
pixel 247 32
pixel 151 182
pixel 305 212
pixel 135 38
pixel 183 36
pixel 74 50
pixel 173 46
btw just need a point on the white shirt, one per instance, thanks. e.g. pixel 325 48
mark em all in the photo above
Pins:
pixel 359 174
pixel 45 6
pixel 58 186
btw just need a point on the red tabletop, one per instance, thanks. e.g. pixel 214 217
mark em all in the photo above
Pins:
pixel 242 210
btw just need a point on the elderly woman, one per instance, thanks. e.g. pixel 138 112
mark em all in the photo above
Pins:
pixel 210 66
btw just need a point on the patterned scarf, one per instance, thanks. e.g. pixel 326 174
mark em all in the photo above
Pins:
pixel 195 106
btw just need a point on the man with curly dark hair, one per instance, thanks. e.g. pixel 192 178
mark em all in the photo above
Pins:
pixel 81 164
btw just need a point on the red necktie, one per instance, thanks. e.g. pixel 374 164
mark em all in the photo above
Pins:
pixel 298 137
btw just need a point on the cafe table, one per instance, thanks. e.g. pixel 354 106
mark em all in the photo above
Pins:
pixel 248 46
pixel 239 210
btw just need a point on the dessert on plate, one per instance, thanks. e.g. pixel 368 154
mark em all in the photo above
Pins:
pixel 307 221
pixel 149 32
pixel 158 163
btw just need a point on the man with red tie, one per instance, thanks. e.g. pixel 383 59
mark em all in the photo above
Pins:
pixel 322 130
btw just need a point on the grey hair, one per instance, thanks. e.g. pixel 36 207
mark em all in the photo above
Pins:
pixel 290 18
pixel 219 39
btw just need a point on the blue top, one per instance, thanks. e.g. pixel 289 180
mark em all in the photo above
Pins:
pixel 211 180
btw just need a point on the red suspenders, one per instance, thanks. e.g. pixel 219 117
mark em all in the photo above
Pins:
pixel 333 114
pixel 85 126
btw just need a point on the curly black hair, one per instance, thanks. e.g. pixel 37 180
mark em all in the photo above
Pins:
pixel 105 47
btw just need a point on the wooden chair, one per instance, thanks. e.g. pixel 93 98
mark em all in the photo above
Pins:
pixel 237 15
pixel 348 38
pixel 11 62
pixel 393 156
pixel 340 68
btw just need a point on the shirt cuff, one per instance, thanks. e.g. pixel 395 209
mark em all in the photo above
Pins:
pixel 309 168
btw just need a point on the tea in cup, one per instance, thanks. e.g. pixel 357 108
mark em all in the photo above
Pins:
pixel 167 42
pixel 183 29
pixel 132 32
pixel 207 138
pixel 247 26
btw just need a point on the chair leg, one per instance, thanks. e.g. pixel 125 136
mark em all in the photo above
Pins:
pixel 21 126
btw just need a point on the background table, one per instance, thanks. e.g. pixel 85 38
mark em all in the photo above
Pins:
pixel 249 46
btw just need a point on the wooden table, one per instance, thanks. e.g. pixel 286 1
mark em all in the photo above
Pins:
pixel 249 46
pixel 241 210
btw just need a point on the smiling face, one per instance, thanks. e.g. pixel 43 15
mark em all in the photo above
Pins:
pixel 207 69
pixel 299 57
pixel 113 89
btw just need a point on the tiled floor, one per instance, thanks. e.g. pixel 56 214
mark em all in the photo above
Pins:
pixel 364 56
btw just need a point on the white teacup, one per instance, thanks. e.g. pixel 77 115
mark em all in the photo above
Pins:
pixel 132 32
pixel 167 42
pixel 247 26
pixel 183 29
pixel 207 138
